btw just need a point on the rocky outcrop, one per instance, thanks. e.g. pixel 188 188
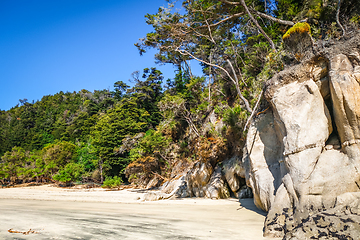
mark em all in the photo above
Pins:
pixel 199 180
pixel 234 174
pixel 217 187
pixel 303 153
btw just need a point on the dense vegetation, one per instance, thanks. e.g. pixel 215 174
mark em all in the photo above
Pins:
pixel 141 132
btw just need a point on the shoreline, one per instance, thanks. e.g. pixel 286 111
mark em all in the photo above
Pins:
pixel 50 192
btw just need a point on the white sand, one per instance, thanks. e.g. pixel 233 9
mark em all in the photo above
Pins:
pixel 100 214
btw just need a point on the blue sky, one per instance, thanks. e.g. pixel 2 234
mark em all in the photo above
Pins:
pixel 47 46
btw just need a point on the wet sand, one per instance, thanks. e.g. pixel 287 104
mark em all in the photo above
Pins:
pixel 97 214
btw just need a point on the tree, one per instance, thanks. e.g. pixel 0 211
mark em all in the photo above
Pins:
pixel 57 155
pixel 147 92
pixel 233 38
pixel 211 32
pixel 11 164
pixel 124 119
pixel 119 89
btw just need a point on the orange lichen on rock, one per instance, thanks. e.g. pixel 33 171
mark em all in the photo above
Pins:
pixel 300 27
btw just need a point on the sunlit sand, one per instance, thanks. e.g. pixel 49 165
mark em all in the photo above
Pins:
pixel 60 213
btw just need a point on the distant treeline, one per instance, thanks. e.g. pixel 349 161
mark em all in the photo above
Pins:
pixel 72 136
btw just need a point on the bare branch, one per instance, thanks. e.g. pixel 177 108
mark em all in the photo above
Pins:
pixel 257 24
pixel 252 114
pixel 247 105
pixel 272 18
pixel 189 68
pixel 189 121
pixel 337 18
pixel 231 3
pixel 225 19
pixel 261 14
pixel 184 52
pixel 210 76
pixel 207 23
pixel 238 55
pixel 220 92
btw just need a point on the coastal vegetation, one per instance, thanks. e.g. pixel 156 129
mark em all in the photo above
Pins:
pixel 133 134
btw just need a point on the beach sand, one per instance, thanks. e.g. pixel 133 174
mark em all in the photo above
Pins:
pixel 60 213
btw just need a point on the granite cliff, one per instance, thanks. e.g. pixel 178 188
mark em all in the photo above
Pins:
pixel 302 155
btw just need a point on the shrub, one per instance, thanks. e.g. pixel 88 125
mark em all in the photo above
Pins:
pixel 60 153
pixel 235 116
pixel 70 173
pixel 114 182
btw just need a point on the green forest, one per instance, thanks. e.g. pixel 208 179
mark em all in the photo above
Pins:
pixel 134 133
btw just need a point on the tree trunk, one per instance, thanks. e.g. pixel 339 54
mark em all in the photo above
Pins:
pixel 101 170
pixel 338 18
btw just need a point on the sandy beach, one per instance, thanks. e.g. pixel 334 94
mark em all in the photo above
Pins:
pixel 59 213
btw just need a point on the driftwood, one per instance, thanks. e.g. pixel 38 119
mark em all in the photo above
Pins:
pixel 25 233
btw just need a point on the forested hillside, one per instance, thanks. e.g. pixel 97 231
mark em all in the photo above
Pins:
pixel 159 127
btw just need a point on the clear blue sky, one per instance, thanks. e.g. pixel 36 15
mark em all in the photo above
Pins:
pixel 47 46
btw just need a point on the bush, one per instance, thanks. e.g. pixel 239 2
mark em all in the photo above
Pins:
pixel 60 153
pixel 235 116
pixel 114 182
pixel 72 172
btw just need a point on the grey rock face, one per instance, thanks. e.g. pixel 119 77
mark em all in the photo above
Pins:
pixel 303 153
pixel 262 160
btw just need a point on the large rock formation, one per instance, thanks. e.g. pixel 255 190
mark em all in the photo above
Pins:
pixel 302 154
pixel 198 180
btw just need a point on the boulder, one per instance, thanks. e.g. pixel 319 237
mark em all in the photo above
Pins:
pixel 244 192
pixel 234 173
pixel 198 177
pixel 217 187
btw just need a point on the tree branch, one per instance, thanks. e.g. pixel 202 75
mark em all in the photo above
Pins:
pixel 261 14
pixel 231 3
pixel 247 105
pixel 272 18
pixel 190 122
pixel 220 92
pixel 207 24
pixel 223 69
pixel 257 24
pixel 236 54
pixel 252 114
pixel 337 18
pixel 224 20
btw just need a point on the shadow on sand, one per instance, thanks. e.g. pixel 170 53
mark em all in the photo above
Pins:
pixel 248 203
